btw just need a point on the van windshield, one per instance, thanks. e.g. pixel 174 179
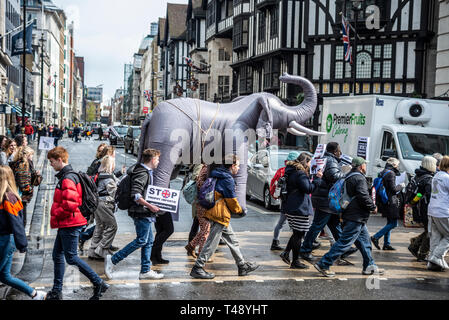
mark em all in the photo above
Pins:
pixel 415 146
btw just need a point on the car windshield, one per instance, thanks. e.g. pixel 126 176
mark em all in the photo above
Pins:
pixel 136 133
pixel 121 130
pixel 277 160
pixel 415 146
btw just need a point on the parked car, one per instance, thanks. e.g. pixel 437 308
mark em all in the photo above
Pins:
pixel 115 140
pixel 136 148
pixel 132 134
pixel 261 169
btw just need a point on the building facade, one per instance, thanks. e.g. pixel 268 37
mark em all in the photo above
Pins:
pixel 442 60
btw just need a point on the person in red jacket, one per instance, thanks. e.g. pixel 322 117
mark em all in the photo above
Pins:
pixel 68 219
pixel 29 130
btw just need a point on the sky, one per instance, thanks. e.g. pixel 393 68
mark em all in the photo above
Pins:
pixel 108 33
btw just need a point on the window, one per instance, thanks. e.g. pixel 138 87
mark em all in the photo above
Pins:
pixel 246 80
pixel 223 55
pixel 274 23
pixel 364 64
pixel 271 73
pixel 210 19
pixel 240 37
pixel 388 143
pixel 223 86
pixel 203 91
pixel 262 28
pixel 230 8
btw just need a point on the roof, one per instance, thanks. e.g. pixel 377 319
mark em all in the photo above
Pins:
pixel 176 17
pixel 197 4
pixel 161 30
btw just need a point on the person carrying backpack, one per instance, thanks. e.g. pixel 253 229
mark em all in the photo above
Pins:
pixel 422 184
pixel 391 209
pixel 355 218
pixel 292 156
pixel 106 225
pixel 143 214
pixel 298 205
pixel 220 216
pixel 95 165
pixel 12 233
pixel 66 216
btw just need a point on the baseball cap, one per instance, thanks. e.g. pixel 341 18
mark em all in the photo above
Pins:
pixel 358 161
pixel 292 156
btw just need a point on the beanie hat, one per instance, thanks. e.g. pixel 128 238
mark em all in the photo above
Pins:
pixel 292 156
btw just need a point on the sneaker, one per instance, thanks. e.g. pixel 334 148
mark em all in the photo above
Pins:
pixel 200 273
pixel 285 257
pixel 388 248
pixel 434 267
pixel 247 268
pixel 99 290
pixel 275 245
pixel 113 248
pixel 375 242
pixel 307 256
pixel 325 272
pixel 54 295
pixel 298 265
pixel 373 269
pixel 40 295
pixel 108 266
pixel 343 262
pixel 150 275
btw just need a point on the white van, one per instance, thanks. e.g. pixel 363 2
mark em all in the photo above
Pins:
pixel 378 127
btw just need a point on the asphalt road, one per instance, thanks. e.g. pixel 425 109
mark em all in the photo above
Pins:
pixel 405 279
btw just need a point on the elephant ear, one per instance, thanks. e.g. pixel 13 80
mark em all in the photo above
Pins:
pixel 265 124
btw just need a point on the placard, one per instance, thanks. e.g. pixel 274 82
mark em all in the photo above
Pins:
pixel 317 164
pixel 46 143
pixel 166 199
pixel 363 147
pixel 320 150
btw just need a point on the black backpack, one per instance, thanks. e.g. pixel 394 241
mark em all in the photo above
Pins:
pixel 90 195
pixel 413 186
pixel 93 168
pixel 123 194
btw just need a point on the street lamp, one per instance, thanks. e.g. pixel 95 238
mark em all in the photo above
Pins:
pixel 54 111
pixel 356 8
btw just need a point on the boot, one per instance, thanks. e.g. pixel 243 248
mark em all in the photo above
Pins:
pixel 285 256
pixel 247 268
pixel 200 273
pixel 275 245
pixel 297 264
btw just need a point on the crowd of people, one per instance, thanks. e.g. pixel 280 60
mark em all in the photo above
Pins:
pixel 305 196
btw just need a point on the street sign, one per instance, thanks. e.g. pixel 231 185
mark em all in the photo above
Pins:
pixel 166 199
pixel 145 110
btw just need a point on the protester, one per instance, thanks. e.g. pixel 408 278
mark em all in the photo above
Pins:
pixel 355 219
pixel 438 212
pixel 220 217
pixel 29 131
pixel 390 210
pixel 106 225
pixel 201 237
pixel 95 165
pixel 323 215
pixel 41 133
pixel 100 133
pixel 11 149
pixel 57 134
pixel 275 245
pixel 24 173
pixel 438 157
pixel 21 140
pixel 298 205
pixel 419 246
pixel 35 128
pixel 3 157
pixel 12 233
pixel 143 214
pixel 68 219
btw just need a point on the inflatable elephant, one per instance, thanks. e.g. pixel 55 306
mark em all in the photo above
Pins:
pixel 187 129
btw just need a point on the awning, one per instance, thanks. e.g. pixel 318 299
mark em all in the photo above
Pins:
pixel 18 111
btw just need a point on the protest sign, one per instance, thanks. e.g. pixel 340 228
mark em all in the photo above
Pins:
pixel 166 199
pixel 317 165
pixel 362 147
pixel 46 143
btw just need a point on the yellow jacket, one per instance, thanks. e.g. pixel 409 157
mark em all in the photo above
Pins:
pixel 221 212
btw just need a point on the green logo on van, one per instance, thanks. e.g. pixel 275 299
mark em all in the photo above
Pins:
pixel 338 125
pixel 329 123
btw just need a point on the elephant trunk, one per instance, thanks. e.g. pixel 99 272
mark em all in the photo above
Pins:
pixel 305 110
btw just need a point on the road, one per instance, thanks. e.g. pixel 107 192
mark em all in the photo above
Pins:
pixel 404 279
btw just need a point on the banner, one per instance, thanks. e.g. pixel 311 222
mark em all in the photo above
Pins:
pixel 17 42
pixel 46 143
pixel 166 199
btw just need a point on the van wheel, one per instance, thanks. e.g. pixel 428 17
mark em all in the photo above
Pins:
pixel 267 198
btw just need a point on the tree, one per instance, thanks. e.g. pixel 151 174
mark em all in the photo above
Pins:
pixel 91 112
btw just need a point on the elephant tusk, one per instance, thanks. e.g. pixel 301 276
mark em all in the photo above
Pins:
pixel 296 132
pixel 297 126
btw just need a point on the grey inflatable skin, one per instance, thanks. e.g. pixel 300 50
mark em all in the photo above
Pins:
pixel 260 111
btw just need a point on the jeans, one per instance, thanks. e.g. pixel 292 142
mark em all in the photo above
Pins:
pixel 320 220
pixel 218 231
pixel 385 231
pixel 87 234
pixel 353 233
pixel 66 245
pixel 143 241
pixel 279 225
pixel 7 249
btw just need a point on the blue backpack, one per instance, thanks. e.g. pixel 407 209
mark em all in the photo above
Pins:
pixel 378 185
pixel 338 197
pixel 206 196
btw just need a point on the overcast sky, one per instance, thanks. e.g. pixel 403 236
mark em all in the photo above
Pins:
pixel 108 33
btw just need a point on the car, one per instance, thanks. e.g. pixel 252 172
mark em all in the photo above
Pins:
pixel 136 146
pixel 132 134
pixel 115 140
pixel 261 169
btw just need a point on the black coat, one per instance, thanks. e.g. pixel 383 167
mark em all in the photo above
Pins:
pixel 360 207
pixel 332 173
pixel 425 188
pixel 391 210
pixel 140 179
pixel 299 188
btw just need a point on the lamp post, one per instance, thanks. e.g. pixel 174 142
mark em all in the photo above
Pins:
pixel 41 114
pixel 24 7
pixel 54 110
pixel 356 8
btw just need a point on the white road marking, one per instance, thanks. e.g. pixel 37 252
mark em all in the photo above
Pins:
pixel 342 279
pixel 260 281
pixel 298 280
pixel 219 281
pixel 420 279
pixel 261 211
